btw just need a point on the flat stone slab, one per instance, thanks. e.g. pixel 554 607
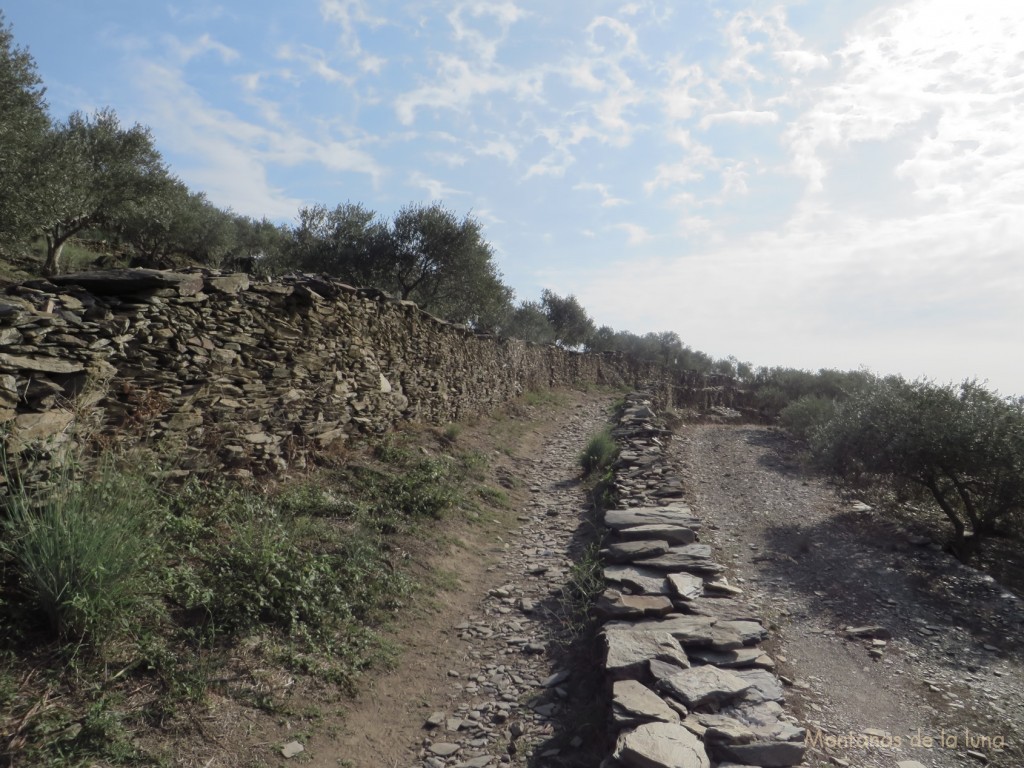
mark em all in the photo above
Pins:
pixel 660 745
pixel 723 610
pixel 634 703
pixel 614 604
pixel 630 551
pixel 118 282
pixel 739 657
pixel 628 652
pixel 673 534
pixel 764 686
pixel 638 580
pixel 443 749
pixel 688 630
pixel 693 558
pixel 686 586
pixel 703 686
pixel 749 631
pixel 676 515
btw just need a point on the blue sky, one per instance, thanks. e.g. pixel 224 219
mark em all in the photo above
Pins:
pixel 836 183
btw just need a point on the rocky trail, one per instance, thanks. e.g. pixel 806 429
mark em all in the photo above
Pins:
pixel 498 673
pixel 934 675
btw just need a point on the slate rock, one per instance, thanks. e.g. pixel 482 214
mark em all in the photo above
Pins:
pixel 660 745
pixel 688 630
pixel 738 657
pixel 630 551
pixel 682 516
pixel 749 631
pixel 673 534
pixel 613 604
pixel 686 586
pixel 634 703
pixel 764 686
pixel 693 558
pixel 628 652
pixel 637 580
pixel 702 686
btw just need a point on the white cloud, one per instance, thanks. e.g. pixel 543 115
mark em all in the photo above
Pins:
pixel 607 199
pixel 186 52
pixel 435 189
pixel 458 82
pixel 611 38
pixel 636 234
pixel 741 116
pixel 500 148
pixel 315 61
pixel 933 76
pixel 486 48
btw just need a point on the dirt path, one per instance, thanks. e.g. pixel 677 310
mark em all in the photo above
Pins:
pixel 480 681
pixel 951 673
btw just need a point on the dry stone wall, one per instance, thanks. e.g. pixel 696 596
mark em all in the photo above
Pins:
pixel 248 376
pixel 689 684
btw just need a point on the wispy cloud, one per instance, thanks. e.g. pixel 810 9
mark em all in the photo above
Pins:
pixel 636 234
pixel 435 189
pixel 607 199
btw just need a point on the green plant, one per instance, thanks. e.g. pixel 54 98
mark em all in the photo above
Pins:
pixel 806 414
pixel 82 547
pixel 961 443
pixel 600 453
pixel 450 434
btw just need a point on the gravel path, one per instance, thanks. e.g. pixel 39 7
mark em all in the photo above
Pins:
pixel 940 683
pixel 486 680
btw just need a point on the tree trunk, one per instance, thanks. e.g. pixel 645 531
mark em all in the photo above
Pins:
pixel 54 247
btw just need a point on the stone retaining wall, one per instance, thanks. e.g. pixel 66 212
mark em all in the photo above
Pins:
pixel 689 685
pixel 243 376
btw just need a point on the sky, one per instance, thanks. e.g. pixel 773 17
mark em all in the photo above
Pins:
pixel 817 184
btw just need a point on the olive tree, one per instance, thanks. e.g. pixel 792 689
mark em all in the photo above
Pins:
pixel 95 172
pixel 963 444
pixel 23 126
pixel 573 326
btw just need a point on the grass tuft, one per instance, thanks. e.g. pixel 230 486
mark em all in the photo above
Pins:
pixel 599 454
pixel 82 549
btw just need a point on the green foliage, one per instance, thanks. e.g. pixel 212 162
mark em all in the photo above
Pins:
pixel 776 388
pixel 806 414
pixel 963 444
pixel 96 173
pixel 83 548
pixel 600 453
pixel 23 122
pixel 424 254
pixel 571 324
pixel 529 322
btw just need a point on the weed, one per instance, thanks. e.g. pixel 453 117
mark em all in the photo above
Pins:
pixel 450 434
pixel 599 454
pixel 82 548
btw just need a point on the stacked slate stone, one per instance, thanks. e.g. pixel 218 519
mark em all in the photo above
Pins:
pixel 690 687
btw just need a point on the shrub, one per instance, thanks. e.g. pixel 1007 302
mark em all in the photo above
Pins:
pixel 963 444
pixel 804 415
pixel 83 547
pixel 599 454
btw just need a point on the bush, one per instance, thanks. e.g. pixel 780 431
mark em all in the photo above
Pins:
pixel 599 454
pixel 804 415
pixel 963 444
pixel 83 548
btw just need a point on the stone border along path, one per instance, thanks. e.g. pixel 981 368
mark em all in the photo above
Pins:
pixel 688 683
pixel 506 697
